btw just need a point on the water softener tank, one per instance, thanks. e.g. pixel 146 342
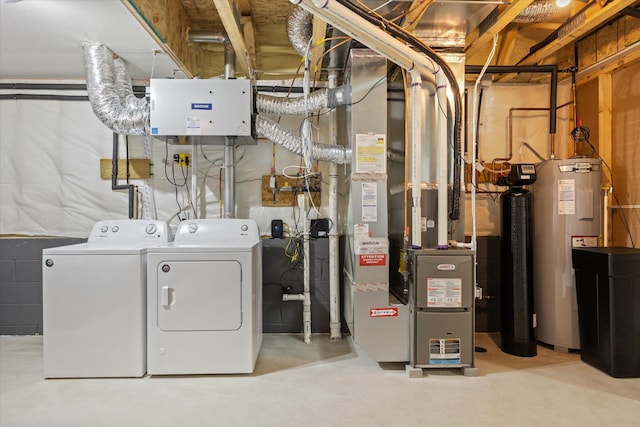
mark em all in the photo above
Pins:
pixel 517 324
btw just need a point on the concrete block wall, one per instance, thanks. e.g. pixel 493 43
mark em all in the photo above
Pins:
pixel 280 275
pixel 21 283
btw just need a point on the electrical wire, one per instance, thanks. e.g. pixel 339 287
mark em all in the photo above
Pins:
pixel 189 198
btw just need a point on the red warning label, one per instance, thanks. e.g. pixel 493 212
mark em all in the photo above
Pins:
pixel 383 312
pixel 373 260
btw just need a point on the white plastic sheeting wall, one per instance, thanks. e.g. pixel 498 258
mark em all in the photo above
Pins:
pixel 50 181
pixel 531 127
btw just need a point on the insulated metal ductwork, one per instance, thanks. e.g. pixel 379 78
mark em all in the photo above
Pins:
pixel 316 101
pixel 276 133
pixel 300 29
pixel 539 11
pixel 110 92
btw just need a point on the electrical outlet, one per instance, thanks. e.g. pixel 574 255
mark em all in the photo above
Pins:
pixel 182 159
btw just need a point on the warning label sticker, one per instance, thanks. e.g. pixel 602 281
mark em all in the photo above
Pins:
pixel 373 260
pixel 444 351
pixel 444 292
pixel 383 312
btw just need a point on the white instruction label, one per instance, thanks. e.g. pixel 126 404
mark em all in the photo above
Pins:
pixel 566 197
pixel 361 231
pixel 372 245
pixel 444 292
pixel 193 125
pixel 369 202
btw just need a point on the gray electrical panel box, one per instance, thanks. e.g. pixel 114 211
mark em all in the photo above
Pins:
pixel 195 107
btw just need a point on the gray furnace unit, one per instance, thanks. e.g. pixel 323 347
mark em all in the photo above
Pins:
pixel 442 303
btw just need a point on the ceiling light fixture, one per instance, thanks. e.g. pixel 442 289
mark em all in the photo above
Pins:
pixel 562 3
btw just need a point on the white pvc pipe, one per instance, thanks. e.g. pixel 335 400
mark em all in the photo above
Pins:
pixel 372 36
pixel 334 278
pixel 292 297
pixel 443 146
pixel 306 303
pixel 416 159
pixel 474 142
pixel 401 54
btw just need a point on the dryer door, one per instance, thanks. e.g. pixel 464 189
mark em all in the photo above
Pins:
pixel 199 295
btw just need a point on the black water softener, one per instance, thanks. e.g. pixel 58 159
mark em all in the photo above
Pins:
pixel 518 319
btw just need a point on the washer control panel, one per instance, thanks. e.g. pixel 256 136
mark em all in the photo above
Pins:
pixel 130 230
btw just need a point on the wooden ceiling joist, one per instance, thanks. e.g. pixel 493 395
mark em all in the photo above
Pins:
pixel 594 16
pixel 166 22
pixel 227 10
pixel 415 13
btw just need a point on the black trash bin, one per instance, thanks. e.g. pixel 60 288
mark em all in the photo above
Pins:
pixel 608 294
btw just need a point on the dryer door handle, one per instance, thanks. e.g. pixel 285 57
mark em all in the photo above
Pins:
pixel 164 295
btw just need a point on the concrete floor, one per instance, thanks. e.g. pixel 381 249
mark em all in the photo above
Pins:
pixel 324 384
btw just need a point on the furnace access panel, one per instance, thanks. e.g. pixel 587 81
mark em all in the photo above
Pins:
pixel 204 107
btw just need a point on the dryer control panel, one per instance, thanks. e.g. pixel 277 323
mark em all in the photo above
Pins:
pixel 130 231
pixel 216 230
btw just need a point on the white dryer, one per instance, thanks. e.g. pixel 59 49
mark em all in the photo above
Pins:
pixel 94 301
pixel 205 299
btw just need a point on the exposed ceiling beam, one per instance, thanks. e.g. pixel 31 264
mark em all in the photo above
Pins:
pixel 250 40
pixel 514 9
pixel 507 43
pixel 416 11
pixel 166 22
pixel 228 10
pixel 594 16
pixel 627 56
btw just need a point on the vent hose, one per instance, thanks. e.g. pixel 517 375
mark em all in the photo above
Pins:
pixel 276 133
pixel 110 92
pixel 316 101
pixel 300 29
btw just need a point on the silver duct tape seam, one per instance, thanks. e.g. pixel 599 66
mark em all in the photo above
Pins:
pixel 284 137
pixel 110 93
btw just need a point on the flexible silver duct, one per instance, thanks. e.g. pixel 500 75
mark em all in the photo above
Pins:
pixel 323 98
pixel 538 11
pixel 124 87
pixel 112 105
pixel 300 29
pixel 276 133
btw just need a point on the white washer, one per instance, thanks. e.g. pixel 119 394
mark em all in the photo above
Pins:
pixel 205 299
pixel 94 301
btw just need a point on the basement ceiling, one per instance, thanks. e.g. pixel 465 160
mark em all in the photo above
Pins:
pixel 42 39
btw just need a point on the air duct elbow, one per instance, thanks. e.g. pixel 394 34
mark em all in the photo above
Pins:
pixel 300 29
pixel 110 92
pixel 284 137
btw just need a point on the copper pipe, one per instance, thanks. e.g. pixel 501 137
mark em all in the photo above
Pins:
pixel 510 126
